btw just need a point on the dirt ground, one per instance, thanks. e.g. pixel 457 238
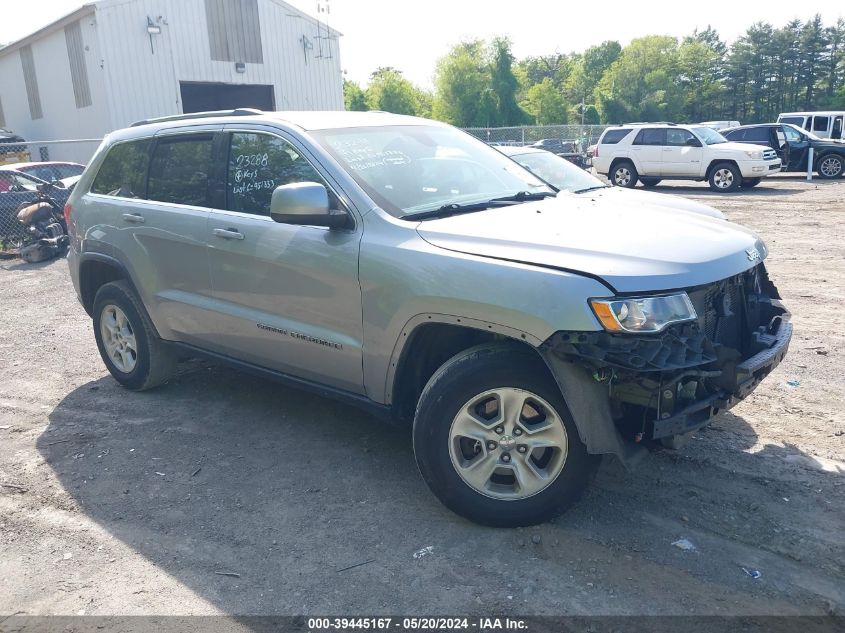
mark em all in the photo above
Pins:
pixel 113 502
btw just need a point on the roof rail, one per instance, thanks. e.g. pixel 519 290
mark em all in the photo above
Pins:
pixel 650 123
pixel 200 115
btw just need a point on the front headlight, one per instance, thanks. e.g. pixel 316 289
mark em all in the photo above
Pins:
pixel 643 314
pixel 754 155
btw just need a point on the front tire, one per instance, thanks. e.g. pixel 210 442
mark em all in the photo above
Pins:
pixel 624 174
pixel 494 439
pixel 129 345
pixel 724 178
pixel 747 183
pixel 830 167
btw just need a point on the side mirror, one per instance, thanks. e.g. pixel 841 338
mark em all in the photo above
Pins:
pixel 693 142
pixel 305 203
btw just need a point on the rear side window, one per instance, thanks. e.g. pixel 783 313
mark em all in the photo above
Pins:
pixel 179 170
pixel 124 171
pixel 821 123
pixel 612 137
pixel 258 163
pixel 758 135
pixel 651 136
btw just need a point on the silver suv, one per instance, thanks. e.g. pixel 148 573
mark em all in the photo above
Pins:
pixel 404 266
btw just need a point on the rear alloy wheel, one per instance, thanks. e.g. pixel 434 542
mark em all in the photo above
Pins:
pixel 624 174
pixel 648 183
pixel 725 177
pixel 495 442
pixel 747 183
pixel 830 166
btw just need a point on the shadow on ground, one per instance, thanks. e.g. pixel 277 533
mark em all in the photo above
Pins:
pixel 267 500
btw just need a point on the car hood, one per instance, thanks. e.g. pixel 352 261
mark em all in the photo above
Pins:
pixel 631 248
pixel 733 146
pixel 633 197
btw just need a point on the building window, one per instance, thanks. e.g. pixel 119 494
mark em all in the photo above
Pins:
pixel 31 82
pixel 234 31
pixel 78 70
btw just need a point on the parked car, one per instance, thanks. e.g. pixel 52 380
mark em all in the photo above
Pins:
pixel 719 125
pixel 792 145
pixel 49 171
pixel 568 178
pixel 823 124
pixel 652 152
pixel 407 267
pixel 570 150
pixel 12 148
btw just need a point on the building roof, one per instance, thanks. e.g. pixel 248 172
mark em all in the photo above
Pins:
pixel 90 7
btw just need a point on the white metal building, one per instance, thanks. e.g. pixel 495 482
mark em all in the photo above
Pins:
pixel 113 62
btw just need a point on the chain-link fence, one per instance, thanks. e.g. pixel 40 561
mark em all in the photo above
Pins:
pixel 26 164
pixel 582 135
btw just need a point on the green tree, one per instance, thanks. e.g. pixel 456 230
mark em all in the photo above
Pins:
pixel 462 87
pixel 545 103
pixel 390 91
pixel 354 98
pixel 504 85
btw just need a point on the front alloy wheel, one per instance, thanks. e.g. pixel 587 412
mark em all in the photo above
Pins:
pixel 494 439
pixel 508 443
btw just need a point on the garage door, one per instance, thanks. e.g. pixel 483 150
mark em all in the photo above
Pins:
pixel 202 97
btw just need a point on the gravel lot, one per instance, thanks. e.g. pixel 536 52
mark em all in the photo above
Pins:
pixel 120 503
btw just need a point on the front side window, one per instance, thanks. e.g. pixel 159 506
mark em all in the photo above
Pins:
pixel 180 169
pixel 409 169
pixel 124 170
pixel 676 137
pixel 792 134
pixel 651 136
pixel 258 163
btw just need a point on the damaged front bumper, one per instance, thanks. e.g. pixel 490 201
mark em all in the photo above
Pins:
pixel 657 386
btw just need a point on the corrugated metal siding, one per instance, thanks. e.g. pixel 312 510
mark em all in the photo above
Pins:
pixel 78 69
pixel 2 116
pixel 31 82
pixel 234 31
pixel 143 83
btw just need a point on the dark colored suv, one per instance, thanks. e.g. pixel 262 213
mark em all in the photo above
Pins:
pixel 793 146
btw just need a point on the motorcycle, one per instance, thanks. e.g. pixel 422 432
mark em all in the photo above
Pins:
pixel 46 231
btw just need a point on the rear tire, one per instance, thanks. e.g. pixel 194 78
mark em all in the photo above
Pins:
pixel 747 183
pixel 623 174
pixel 830 166
pixel 494 439
pixel 648 183
pixel 129 345
pixel 724 178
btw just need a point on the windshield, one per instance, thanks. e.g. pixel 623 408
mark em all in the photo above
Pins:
pixel 408 169
pixel 557 171
pixel 793 120
pixel 709 136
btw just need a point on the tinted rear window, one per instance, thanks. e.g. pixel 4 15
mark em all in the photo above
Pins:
pixel 651 136
pixel 179 170
pixel 124 171
pixel 611 137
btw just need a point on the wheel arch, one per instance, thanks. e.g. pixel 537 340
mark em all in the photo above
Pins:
pixel 719 161
pixel 96 270
pixel 427 342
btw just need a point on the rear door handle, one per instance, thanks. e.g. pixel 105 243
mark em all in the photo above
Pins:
pixel 134 218
pixel 229 234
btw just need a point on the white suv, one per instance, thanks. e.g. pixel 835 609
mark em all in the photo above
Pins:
pixel 661 151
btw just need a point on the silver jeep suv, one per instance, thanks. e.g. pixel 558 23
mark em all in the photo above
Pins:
pixel 404 266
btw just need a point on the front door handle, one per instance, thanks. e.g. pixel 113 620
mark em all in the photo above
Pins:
pixel 229 234
pixel 134 218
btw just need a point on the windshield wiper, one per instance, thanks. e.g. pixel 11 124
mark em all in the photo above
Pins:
pixel 455 208
pixel 591 189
